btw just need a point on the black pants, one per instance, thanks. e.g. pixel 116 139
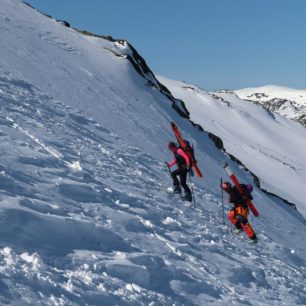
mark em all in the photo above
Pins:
pixel 182 173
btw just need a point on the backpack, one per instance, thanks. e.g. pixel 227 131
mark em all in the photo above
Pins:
pixel 189 149
pixel 246 191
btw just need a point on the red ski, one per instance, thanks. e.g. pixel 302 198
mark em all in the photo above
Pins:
pixel 182 143
pixel 237 184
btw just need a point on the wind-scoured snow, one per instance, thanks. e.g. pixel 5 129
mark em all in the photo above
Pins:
pixel 87 216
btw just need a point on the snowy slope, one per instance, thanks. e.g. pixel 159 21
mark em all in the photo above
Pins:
pixel 86 215
pixel 285 101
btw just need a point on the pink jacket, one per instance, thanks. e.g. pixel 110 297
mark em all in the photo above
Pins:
pixel 183 154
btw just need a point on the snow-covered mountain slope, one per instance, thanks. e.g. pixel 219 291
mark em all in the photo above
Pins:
pixel 86 215
pixel 285 101
pixel 270 146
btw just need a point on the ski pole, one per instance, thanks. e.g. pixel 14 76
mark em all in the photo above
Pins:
pixel 222 202
pixel 168 167
pixel 194 201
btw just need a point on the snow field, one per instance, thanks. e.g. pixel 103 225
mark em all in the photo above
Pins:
pixel 109 230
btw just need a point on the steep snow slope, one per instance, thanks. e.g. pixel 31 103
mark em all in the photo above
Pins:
pixel 86 217
pixel 86 69
pixel 271 146
pixel 285 101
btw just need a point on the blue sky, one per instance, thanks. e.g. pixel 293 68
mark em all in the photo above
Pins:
pixel 212 43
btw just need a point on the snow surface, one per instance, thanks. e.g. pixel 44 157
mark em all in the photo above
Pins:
pixel 86 213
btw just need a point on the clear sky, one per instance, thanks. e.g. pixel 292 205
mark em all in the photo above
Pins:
pixel 211 43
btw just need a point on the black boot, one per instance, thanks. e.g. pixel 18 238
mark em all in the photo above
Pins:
pixel 187 196
pixel 253 239
pixel 177 190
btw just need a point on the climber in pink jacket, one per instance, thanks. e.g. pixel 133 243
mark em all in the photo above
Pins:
pixel 183 163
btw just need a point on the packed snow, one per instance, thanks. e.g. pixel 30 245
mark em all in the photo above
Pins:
pixel 87 215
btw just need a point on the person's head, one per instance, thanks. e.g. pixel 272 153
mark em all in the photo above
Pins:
pixel 226 186
pixel 172 146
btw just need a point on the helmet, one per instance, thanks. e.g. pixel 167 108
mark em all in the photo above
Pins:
pixel 171 145
pixel 249 188
pixel 226 185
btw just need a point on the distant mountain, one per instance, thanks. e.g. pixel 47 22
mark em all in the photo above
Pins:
pixel 285 101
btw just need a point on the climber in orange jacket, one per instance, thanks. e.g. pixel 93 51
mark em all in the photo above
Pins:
pixel 238 215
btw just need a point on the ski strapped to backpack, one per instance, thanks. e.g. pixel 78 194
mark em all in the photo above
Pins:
pixel 186 148
pixel 240 189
